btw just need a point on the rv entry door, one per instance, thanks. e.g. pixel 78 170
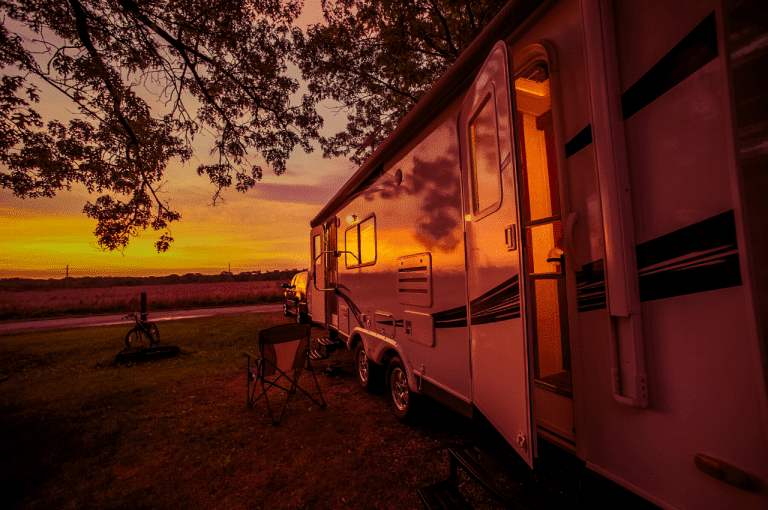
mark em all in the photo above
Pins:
pixel 315 296
pixel 500 354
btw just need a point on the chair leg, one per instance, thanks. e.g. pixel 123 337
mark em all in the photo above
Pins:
pixel 291 392
pixel 320 404
pixel 269 407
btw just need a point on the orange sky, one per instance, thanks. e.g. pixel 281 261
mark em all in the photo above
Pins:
pixel 266 228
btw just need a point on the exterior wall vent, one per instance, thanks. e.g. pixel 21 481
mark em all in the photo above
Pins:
pixel 414 279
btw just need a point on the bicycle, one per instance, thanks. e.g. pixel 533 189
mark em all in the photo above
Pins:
pixel 144 330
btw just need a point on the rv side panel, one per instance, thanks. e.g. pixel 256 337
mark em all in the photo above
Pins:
pixel 417 282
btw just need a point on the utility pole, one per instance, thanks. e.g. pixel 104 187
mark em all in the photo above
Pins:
pixel 67 274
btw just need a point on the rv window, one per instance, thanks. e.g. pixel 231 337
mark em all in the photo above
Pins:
pixel 360 241
pixel 317 249
pixel 352 246
pixel 484 157
pixel 539 169
pixel 368 241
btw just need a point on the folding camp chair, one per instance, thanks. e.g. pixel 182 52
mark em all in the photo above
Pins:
pixel 283 353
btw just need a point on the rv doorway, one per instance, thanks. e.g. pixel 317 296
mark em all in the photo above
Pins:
pixel 545 261
pixel 331 274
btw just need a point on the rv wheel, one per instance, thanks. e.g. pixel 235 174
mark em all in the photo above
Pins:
pixel 368 372
pixel 401 399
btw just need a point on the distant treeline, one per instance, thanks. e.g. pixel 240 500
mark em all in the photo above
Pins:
pixel 90 282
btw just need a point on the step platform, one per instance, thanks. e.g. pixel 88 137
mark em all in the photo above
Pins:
pixel 147 353
pixel 315 355
pixel 325 344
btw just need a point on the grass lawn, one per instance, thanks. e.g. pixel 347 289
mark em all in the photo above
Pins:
pixel 81 431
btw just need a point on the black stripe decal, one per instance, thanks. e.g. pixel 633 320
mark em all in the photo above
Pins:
pixel 696 258
pixel 453 318
pixel 340 289
pixel 578 142
pixel 501 303
pixel 590 286
pixel 697 49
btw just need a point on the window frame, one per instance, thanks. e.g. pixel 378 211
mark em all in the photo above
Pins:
pixel 357 252
pixel 488 94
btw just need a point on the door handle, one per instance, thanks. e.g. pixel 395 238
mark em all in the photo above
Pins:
pixel 510 237
pixel 555 260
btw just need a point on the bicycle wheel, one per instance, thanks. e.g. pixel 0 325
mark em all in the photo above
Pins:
pixel 154 334
pixel 135 338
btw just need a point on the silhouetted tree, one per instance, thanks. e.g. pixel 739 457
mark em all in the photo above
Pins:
pixel 143 78
pixel 377 58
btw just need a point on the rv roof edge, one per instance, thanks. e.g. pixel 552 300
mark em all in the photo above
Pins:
pixel 454 80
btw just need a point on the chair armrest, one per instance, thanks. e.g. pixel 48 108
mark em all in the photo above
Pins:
pixel 249 355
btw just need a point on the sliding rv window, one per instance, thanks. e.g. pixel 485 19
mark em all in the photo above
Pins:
pixel 360 243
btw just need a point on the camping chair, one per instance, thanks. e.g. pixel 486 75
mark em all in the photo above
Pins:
pixel 283 353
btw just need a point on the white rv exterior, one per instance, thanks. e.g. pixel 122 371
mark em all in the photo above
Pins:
pixel 567 234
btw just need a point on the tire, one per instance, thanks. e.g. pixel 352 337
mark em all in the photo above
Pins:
pixel 299 315
pixel 368 373
pixel 136 338
pixel 401 398
pixel 155 340
pixel 286 312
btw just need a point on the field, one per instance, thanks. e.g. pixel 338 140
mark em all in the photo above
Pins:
pixel 81 431
pixel 86 301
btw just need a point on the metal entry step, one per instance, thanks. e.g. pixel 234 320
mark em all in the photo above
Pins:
pixel 315 354
pixel 328 345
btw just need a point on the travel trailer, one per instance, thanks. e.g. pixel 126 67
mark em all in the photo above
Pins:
pixel 567 235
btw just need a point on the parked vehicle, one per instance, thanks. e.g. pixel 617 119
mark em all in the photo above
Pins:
pixel 567 235
pixel 295 301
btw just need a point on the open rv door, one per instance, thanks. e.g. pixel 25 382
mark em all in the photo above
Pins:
pixel 315 296
pixel 500 352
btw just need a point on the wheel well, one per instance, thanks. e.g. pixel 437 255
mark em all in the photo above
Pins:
pixel 388 355
pixel 354 340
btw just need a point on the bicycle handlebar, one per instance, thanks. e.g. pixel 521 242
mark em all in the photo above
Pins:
pixel 134 315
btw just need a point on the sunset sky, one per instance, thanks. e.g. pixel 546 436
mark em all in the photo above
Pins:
pixel 266 228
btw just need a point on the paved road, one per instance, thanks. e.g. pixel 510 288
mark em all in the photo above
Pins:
pixel 109 320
